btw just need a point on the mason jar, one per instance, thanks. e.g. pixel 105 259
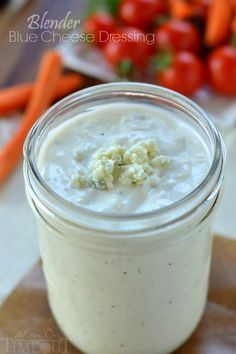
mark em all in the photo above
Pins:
pixel 133 283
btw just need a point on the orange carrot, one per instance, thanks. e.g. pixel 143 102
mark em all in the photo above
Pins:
pixel 234 3
pixel 233 25
pixel 67 84
pixel 41 98
pixel 16 97
pixel 218 22
pixel 180 9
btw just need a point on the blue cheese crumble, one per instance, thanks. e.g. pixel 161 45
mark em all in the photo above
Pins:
pixel 119 165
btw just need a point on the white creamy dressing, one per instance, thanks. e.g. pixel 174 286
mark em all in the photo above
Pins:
pixel 69 148
pixel 128 295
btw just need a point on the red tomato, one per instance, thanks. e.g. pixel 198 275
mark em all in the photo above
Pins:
pixel 185 74
pixel 129 44
pixel 141 13
pixel 99 25
pixel 222 69
pixel 176 35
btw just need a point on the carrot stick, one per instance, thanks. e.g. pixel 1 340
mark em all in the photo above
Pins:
pixel 218 22
pixel 67 84
pixel 16 97
pixel 41 98
pixel 180 9
pixel 233 25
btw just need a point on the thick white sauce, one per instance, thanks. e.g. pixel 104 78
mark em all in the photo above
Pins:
pixel 126 296
pixel 69 148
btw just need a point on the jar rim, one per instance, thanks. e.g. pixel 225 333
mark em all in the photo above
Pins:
pixel 131 88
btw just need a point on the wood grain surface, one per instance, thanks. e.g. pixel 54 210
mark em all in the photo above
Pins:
pixel 26 312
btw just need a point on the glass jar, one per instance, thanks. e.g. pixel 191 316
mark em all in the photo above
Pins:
pixel 126 284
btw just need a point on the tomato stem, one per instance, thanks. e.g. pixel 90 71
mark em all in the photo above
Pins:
pixel 110 6
pixel 125 68
pixel 163 61
pixel 161 19
pixel 233 40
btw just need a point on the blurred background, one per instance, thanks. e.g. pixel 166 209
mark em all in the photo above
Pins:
pixel 184 38
pixel 19 63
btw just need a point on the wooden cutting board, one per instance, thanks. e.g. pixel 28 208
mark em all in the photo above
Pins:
pixel 27 326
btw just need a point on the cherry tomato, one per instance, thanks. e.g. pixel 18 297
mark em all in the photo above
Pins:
pixel 222 69
pixel 99 24
pixel 176 35
pixel 141 13
pixel 185 73
pixel 131 45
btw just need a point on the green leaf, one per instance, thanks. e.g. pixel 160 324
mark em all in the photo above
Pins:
pixel 125 68
pixel 110 6
pixel 93 6
pixel 161 19
pixel 162 61
pixel 233 40
pixel 113 6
